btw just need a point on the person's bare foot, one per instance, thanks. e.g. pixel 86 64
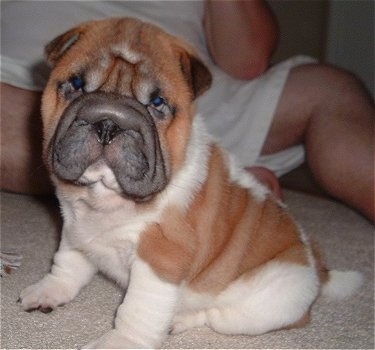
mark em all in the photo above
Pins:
pixel 268 178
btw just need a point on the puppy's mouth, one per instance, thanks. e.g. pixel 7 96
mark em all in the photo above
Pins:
pixel 101 131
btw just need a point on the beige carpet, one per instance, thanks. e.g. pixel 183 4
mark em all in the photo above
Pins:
pixel 30 226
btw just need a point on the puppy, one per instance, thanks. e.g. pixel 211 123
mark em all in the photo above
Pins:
pixel 149 198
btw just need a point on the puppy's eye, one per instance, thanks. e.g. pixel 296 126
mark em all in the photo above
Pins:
pixel 77 83
pixel 158 102
pixel 158 107
pixel 71 88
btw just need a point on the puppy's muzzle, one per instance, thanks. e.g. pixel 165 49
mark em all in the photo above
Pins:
pixel 114 130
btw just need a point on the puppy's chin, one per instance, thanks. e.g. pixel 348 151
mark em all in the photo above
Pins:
pixel 100 179
pixel 100 173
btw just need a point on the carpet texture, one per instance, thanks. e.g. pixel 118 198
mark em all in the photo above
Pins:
pixel 30 226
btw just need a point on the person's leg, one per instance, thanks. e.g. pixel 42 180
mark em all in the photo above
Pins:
pixel 22 169
pixel 332 114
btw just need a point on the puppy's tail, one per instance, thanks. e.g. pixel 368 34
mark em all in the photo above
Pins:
pixel 341 284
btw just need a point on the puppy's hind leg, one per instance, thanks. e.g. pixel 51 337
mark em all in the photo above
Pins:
pixel 278 296
pixel 186 321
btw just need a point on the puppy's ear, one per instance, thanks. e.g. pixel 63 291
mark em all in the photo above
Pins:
pixel 60 45
pixel 196 73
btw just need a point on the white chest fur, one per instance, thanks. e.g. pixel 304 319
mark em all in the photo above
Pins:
pixel 106 231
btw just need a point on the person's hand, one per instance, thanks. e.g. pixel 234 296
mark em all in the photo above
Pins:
pixel 267 178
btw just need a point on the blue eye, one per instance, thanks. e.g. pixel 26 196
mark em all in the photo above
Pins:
pixel 158 101
pixel 77 83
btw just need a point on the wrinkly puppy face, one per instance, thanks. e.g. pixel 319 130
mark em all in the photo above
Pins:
pixel 118 106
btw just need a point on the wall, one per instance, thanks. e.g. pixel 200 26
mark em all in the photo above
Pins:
pixel 340 32
pixel 350 38
pixel 302 27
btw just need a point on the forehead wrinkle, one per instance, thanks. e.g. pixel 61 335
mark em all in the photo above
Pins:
pixel 124 51
pixel 125 76
pixel 94 76
pixel 113 73
pixel 144 83
pixel 120 77
pixel 132 78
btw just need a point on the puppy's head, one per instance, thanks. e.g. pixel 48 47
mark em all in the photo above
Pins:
pixel 118 106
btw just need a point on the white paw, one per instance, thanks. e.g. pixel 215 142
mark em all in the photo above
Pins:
pixel 183 322
pixel 113 340
pixel 45 295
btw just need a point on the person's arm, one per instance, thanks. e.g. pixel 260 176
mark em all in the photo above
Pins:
pixel 241 35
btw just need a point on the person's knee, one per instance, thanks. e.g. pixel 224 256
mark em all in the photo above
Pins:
pixel 314 92
pixel 335 86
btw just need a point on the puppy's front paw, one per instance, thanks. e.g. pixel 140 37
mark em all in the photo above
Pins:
pixel 45 295
pixel 113 340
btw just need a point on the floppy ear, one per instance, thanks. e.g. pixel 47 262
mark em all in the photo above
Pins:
pixel 60 45
pixel 196 73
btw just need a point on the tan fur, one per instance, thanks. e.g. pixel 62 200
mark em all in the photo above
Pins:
pixel 225 233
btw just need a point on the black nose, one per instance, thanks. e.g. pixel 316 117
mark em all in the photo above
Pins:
pixel 106 130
